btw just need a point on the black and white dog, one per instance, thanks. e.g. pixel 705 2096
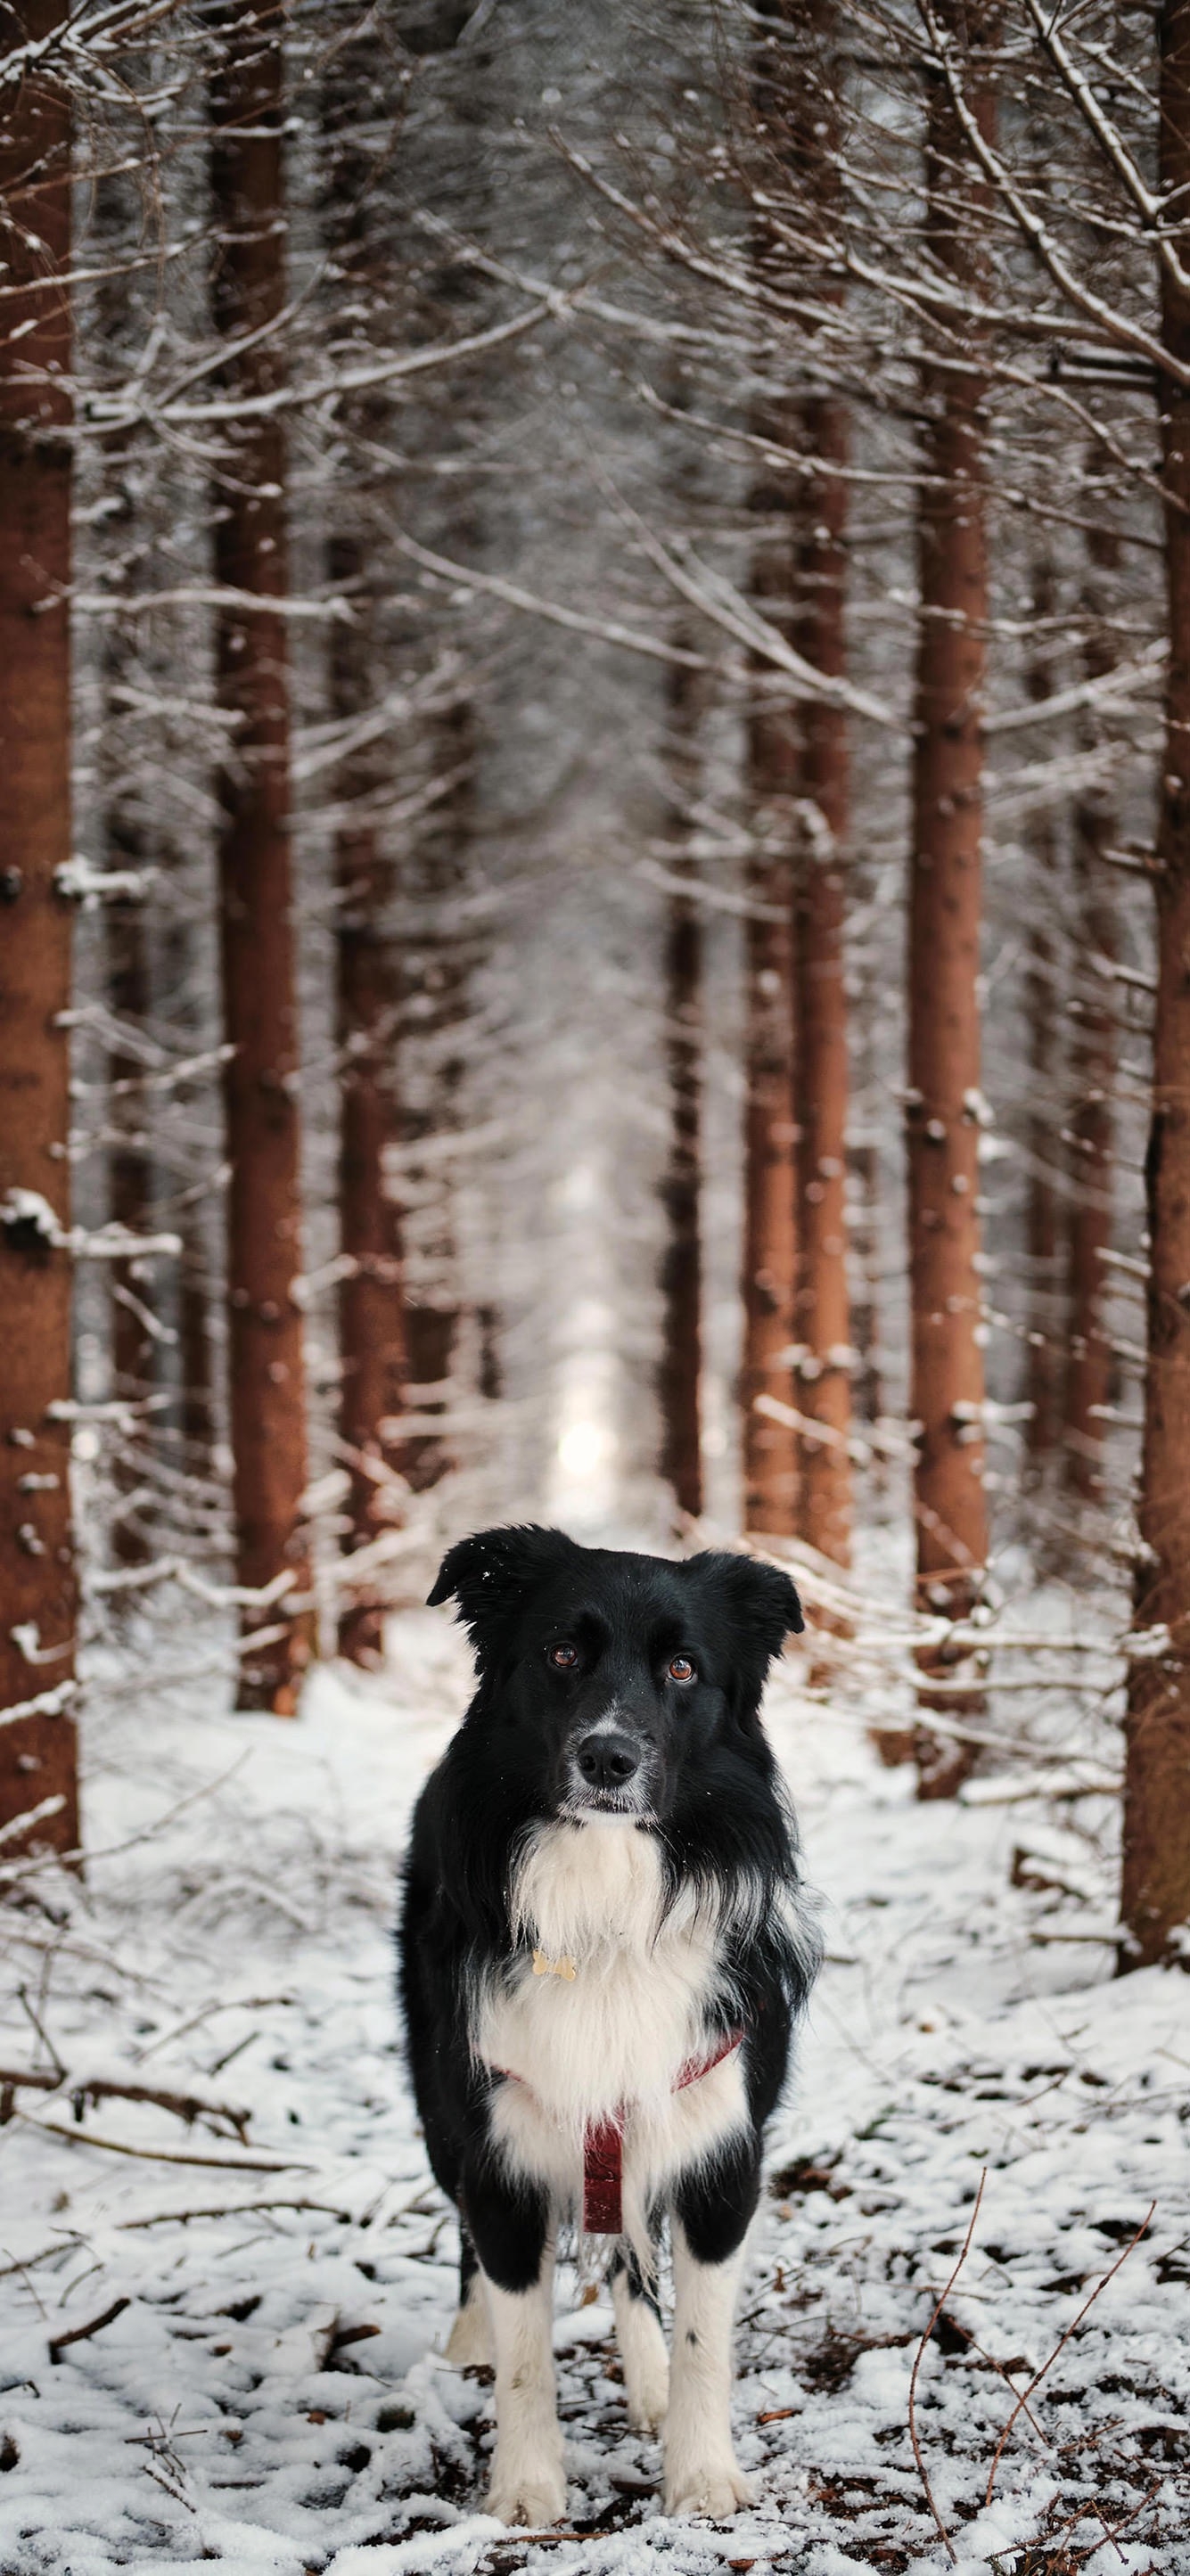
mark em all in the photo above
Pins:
pixel 603 1951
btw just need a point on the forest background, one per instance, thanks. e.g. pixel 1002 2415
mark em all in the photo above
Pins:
pixel 515 632
pixel 595 871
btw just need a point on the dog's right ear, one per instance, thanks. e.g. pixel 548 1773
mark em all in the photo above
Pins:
pixel 490 1576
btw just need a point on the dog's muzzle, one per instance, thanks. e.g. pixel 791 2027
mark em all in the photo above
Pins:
pixel 608 1771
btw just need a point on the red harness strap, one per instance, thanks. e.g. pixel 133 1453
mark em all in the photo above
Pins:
pixel 603 2150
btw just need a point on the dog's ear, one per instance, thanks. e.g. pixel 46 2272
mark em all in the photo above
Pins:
pixel 491 1575
pixel 759 1607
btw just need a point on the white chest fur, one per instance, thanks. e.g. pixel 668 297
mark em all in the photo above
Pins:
pixel 614 2038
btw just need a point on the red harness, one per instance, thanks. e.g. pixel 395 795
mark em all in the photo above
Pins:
pixel 603 2146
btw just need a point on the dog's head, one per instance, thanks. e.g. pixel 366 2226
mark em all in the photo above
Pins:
pixel 612 1673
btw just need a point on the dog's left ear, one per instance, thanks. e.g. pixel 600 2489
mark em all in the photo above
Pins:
pixel 490 1576
pixel 759 1607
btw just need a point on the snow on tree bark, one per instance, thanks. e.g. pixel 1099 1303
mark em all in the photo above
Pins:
pixel 261 1080
pixel 373 1341
pixel 38 1766
pixel 1093 1063
pixel 823 1311
pixel 1042 1227
pixel 772 1480
pixel 128 1186
pixel 681 1261
pixel 943 1107
pixel 1155 1894
pixel 372 1335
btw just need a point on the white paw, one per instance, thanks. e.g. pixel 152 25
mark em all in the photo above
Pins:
pixel 644 2356
pixel 470 2339
pixel 532 2500
pixel 647 2404
pixel 646 2364
pixel 717 2490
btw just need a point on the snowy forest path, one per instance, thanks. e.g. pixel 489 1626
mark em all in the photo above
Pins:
pixel 272 2394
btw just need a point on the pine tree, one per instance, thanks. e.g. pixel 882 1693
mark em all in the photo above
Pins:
pixel 369 965
pixel 1155 1897
pixel 268 1404
pixel 769 1283
pixel 943 1111
pixel 38 1764
pixel 1093 1065
pixel 681 1263
pixel 823 1088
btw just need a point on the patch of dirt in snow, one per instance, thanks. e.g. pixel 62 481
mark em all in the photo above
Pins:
pixel 264 2272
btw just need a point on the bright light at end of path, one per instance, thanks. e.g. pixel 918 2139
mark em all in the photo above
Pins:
pixel 583 1448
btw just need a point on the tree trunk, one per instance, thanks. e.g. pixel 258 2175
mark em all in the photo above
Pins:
pixel 372 1334
pixel 362 259
pixel 188 1429
pixel 681 1265
pixel 1155 1898
pixel 1043 1240
pixel 770 1452
pixel 943 1108
pixel 38 1753
pixel 268 1404
pixel 436 992
pixel 823 1317
pixel 195 1415
pixel 1089 1364
pixel 772 1482
pixel 128 1191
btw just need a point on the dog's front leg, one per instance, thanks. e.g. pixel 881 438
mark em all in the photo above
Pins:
pixel 511 2229
pixel 710 2222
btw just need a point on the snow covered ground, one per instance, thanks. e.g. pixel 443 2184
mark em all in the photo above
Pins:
pixel 269 2281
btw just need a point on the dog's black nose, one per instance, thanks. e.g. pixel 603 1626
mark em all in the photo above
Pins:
pixel 607 1761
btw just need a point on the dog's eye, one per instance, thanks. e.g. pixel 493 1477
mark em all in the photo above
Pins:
pixel 563 1658
pixel 682 1670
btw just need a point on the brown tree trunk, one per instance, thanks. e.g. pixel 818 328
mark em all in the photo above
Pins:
pixel 369 966
pixel 1042 1230
pixel 1089 1363
pixel 680 1369
pixel 1155 1897
pixel 867 1389
pixel 38 1753
pixel 372 1334
pixel 943 1108
pixel 436 990
pixel 189 1425
pixel 196 1412
pixel 823 1311
pixel 128 1178
pixel 116 214
pixel 771 1462
pixel 770 1451
pixel 268 1403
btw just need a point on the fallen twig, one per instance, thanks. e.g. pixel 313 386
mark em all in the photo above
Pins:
pixel 918 2357
pixel 94 2326
pixel 75 2137
pixel 228 2209
pixel 42 2032
pixel 1063 2340
pixel 1001 2372
pixel 45 2254
pixel 1111 2530
pixel 97 2088
pixel 134 1842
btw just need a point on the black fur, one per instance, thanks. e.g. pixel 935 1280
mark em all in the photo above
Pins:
pixel 714 1803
